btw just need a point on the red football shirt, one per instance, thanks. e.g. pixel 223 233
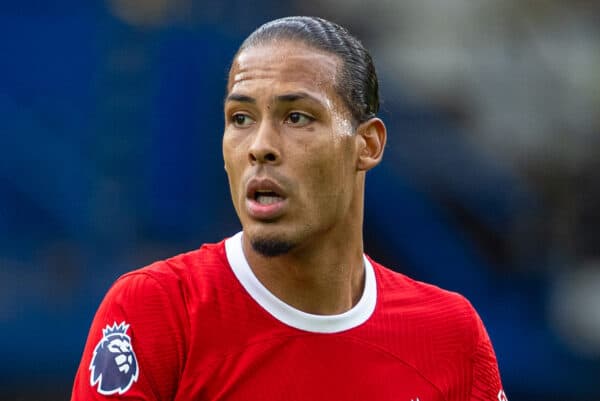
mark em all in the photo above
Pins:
pixel 200 326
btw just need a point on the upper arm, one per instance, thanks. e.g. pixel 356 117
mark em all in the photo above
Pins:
pixel 136 344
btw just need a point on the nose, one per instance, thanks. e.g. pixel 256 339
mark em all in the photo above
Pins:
pixel 265 146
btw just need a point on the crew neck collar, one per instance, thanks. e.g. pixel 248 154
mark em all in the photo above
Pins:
pixel 291 316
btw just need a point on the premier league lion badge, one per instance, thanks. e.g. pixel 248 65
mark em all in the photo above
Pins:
pixel 114 367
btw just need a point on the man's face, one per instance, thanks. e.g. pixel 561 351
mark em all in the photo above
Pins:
pixel 288 145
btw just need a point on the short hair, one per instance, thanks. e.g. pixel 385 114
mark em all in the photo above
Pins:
pixel 356 81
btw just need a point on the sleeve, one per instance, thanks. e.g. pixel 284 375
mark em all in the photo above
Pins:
pixel 135 349
pixel 486 384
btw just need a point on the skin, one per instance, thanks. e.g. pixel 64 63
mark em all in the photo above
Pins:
pixel 285 122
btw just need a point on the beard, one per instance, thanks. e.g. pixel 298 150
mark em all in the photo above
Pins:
pixel 271 247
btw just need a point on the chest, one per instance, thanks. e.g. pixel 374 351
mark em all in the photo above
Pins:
pixel 304 367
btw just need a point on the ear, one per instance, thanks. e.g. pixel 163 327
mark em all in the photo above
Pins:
pixel 371 136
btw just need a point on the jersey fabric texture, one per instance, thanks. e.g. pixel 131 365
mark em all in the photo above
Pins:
pixel 200 326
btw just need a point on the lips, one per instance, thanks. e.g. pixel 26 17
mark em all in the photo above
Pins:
pixel 265 199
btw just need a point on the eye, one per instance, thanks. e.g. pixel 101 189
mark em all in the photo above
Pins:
pixel 241 120
pixel 298 119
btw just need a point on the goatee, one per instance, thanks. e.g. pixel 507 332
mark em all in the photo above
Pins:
pixel 271 247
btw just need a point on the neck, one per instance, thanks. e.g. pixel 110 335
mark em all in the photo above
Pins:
pixel 324 275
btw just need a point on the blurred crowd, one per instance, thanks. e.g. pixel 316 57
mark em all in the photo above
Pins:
pixel 110 129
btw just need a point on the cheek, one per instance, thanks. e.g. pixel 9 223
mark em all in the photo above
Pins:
pixel 231 154
pixel 328 180
pixel 227 150
pixel 232 166
pixel 335 177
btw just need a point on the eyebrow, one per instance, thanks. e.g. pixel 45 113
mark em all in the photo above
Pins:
pixel 234 97
pixel 295 96
pixel 287 97
pixel 292 97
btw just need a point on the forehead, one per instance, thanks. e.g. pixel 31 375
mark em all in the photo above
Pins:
pixel 286 65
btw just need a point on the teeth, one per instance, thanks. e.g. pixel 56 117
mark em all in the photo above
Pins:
pixel 267 199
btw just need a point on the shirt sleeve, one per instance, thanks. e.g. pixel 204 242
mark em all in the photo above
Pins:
pixel 135 349
pixel 486 382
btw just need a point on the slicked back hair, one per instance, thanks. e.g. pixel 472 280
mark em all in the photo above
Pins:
pixel 356 81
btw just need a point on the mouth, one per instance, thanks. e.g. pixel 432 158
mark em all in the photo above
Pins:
pixel 265 199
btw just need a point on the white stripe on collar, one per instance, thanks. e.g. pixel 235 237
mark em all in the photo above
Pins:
pixel 291 316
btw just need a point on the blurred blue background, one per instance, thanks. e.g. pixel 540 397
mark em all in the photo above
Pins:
pixel 110 158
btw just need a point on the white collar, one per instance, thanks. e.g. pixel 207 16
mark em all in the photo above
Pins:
pixel 291 316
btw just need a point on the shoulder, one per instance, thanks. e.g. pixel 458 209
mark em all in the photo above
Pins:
pixel 175 274
pixel 399 286
pixel 180 266
pixel 445 312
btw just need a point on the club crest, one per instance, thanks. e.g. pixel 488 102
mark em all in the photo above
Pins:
pixel 114 367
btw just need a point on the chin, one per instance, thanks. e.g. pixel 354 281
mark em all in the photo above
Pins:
pixel 271 247
pixel 267 242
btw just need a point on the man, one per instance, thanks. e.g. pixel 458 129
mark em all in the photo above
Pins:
pixel 290 308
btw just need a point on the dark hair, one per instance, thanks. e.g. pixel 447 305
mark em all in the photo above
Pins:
pixel 356 82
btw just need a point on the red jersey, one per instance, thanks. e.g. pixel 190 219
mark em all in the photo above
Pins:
pixel 200 326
